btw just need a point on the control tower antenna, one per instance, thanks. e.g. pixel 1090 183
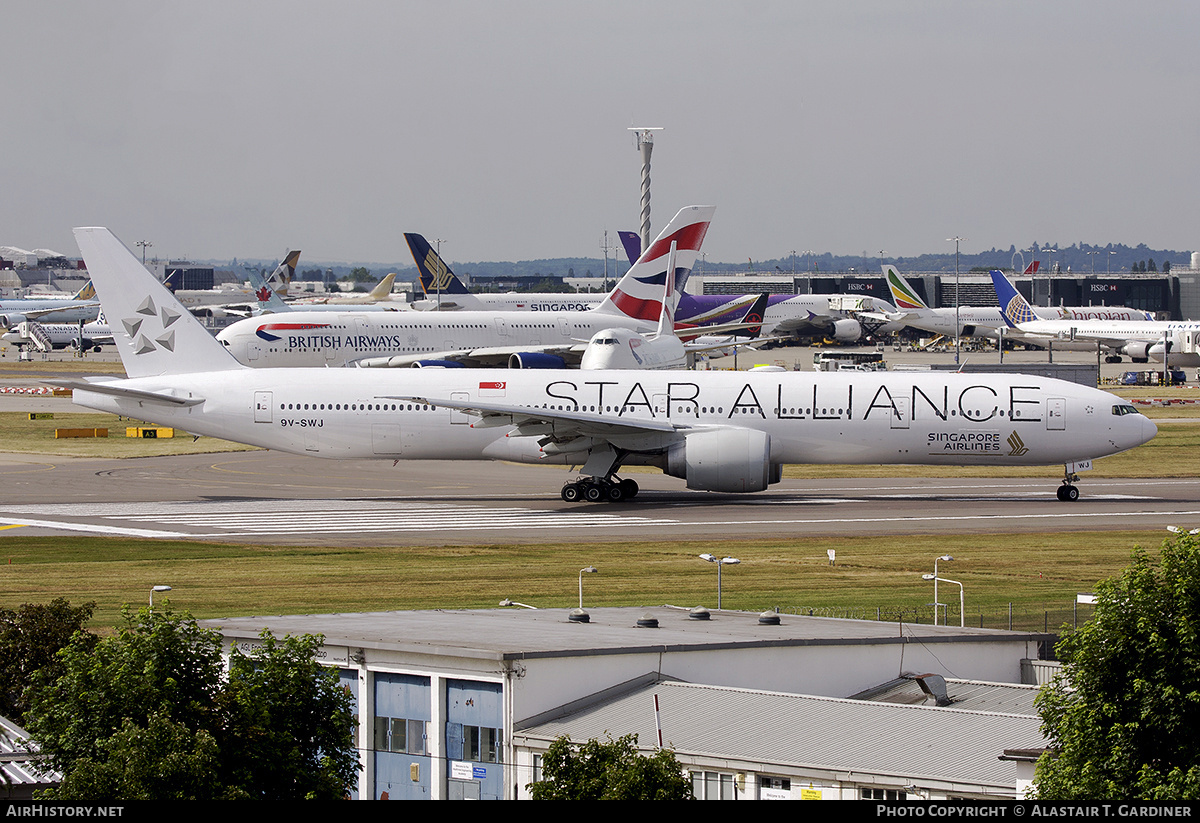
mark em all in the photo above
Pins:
pixel 644 140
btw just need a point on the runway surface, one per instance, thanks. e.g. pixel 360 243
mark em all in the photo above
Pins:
pixel 267 497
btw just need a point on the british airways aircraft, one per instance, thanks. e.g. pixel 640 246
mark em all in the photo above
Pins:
pixel 470 338
pixel 718 431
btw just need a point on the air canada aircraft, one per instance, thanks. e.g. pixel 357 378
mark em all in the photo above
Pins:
pixel 719 431
pixel 470 338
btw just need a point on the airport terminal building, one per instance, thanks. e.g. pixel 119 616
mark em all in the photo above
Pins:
pixel 461 704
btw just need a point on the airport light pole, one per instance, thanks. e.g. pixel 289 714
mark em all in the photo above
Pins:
pixel 644 140
pixel 585 570
pixel 957 324
pixel 947 558
pixel 157 589
pixel 722 561
pixel 144 244
pixel 962 619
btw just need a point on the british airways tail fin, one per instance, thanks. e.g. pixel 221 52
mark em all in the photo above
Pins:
pixel 436 276
pixel 903 296
pixel 1013 306
pixel 639 293
pixel 153 332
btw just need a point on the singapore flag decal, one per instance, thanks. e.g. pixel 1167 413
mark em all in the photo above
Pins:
pixel 492 389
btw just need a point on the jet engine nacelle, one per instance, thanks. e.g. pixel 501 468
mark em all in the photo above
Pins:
pixel 846 330
pixel 10 321
pixel 437 364
pixel 535 360
pixel 1138 351
pixel 725 460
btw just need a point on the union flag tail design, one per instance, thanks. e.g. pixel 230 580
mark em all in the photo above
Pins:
pixel 639 294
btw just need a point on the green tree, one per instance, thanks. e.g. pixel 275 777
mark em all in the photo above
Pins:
pixel 30 637
pixel 614 770
pixel 151 714
pixel 1120 721
pixel 290 722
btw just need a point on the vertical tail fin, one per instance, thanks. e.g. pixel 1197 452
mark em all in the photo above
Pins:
pixel 639 293
pixel 1033 267
pixel 436 276
pixel 88 292
pixel 382 290
pixel 632 242
pixel 153 332
pixel 1012 305
pixel 903 295
pixel 266 291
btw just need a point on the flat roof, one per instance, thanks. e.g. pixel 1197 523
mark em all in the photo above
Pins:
pixel 517 633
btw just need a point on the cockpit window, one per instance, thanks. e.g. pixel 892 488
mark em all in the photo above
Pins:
pixel 1122 409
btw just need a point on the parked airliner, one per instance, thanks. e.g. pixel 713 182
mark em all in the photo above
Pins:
pixel 719 431
pixel 1141 340
pixel 471 338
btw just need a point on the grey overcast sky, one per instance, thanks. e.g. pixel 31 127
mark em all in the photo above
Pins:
pixel 229 128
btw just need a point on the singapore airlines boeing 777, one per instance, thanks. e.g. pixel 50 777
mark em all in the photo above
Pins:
pixel 719 431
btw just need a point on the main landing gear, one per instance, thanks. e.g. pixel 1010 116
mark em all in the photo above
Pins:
pixel 599 489
pixel 1068 492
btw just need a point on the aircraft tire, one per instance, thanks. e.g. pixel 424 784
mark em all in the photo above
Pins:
pixel 615 493
pixel 1068 493
pixel 630 487
pixel 571 493
pixel 593 493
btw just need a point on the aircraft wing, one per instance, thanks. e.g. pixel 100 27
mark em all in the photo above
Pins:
pixel 484 357
pixel 541 421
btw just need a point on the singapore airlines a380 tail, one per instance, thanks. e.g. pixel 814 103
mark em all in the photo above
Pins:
pixel 718 431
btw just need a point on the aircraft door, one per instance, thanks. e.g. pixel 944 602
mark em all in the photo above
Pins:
pixel 1056 413
pixel 502 327
pixel 262 407
pixel 564 326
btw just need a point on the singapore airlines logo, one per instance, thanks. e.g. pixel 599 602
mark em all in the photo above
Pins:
pixel 441 275
pixel 1016 446
pixel 143 334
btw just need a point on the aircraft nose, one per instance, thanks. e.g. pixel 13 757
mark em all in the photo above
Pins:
pixel 1148 429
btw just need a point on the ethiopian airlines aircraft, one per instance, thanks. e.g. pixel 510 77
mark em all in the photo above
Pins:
pixel 1140 339
pixel 718 431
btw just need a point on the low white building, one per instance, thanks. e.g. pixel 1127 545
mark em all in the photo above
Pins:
pixel 458 703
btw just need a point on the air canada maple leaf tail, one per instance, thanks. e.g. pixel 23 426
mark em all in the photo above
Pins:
pixel 153 332
pixel 639 293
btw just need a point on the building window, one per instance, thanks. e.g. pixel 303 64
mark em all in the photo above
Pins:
pixel 481 744
pixel 881 794
pixel 713 786
pixel 398 734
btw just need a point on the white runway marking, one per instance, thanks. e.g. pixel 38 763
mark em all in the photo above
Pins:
pixel 317 517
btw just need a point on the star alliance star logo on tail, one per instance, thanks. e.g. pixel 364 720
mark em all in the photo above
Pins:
pixel 142 343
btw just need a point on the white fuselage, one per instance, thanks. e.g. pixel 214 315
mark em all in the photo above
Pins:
pixel 984 321
pixel 1138 339
pixel 941 419
pixel 510 301
pixel 319 339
